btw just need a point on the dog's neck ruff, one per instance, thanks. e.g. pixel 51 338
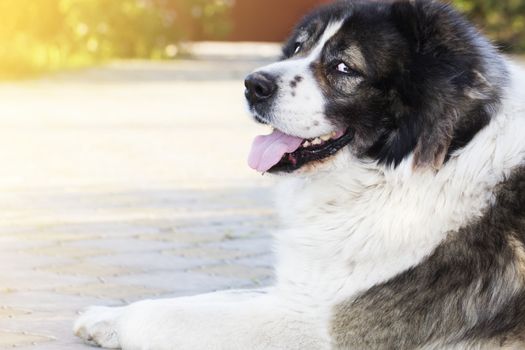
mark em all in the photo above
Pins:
pixel 361 224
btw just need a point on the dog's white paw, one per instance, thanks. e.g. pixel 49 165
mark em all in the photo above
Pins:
pixel 98 326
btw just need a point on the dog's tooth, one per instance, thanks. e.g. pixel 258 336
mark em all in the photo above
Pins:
pixel 317 141
pixel 326 137
pixel 306 144
pixel 333 134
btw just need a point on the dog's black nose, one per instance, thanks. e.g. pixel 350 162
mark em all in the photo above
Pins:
pixel 260 87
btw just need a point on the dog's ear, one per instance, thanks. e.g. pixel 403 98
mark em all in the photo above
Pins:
pixel 441 121
pixel 415 19
pixel 440 75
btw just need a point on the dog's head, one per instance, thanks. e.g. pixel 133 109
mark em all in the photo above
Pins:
pixel 382 81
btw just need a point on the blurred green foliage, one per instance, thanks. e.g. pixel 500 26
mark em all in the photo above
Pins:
pixel 207 18
pixel 45 35
pixel 502 20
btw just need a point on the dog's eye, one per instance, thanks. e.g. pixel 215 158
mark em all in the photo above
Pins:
pixel 297 48
pixel 343 68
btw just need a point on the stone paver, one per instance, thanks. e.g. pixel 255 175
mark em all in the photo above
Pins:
pixel 12 339
pixel 125 182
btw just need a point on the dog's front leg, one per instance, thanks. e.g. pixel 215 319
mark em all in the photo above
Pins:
pixel 225 320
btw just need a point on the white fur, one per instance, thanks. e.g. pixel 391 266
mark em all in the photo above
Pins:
pixel 301 114
pixel 347 227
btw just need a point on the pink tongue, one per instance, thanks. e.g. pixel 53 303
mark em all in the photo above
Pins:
pixel 268 150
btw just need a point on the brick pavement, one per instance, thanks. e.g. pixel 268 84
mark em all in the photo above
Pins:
pixel 125 182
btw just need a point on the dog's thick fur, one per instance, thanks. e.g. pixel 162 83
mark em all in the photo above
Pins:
pixel 410 237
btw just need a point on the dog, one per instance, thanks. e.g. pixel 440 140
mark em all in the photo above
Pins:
pixel 398 144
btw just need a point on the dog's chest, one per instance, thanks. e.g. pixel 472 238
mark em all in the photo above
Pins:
pixel 343 236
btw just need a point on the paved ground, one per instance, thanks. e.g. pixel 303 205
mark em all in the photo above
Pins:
pixel 121 183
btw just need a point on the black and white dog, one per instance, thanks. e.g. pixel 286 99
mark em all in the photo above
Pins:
pixel 399 135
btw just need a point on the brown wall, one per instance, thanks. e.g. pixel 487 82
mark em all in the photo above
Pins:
pixel 267 20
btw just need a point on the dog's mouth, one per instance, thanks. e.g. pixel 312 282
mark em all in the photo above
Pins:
pixel 280 152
